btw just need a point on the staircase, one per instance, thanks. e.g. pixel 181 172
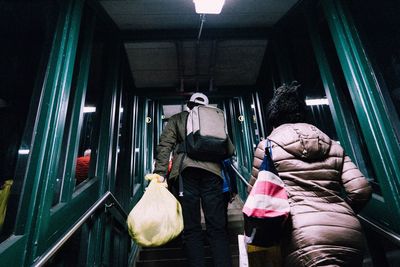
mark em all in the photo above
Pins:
pixel 172 254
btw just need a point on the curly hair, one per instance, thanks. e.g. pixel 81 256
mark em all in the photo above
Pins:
pixel 286 106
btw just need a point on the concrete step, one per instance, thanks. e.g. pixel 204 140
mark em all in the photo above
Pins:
pixel 176 253
pixel 172 254
pixel 180 262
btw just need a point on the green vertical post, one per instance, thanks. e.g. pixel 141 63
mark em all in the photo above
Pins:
pixel 50 124
pixel 344 124
pixel 108 116
pixel 248 137
pixel 126 144
pixel 116 132
pixel 237 139
pixel 376 127
pixel 158 116
pixel 77 113
pixel 104 158
pixel 142 156
pixel 107 247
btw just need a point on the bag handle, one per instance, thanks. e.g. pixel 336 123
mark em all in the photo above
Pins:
pixel 180 176
pixel 268 145
pixel 268 163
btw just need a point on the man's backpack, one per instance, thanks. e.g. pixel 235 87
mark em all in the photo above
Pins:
pixel 206 135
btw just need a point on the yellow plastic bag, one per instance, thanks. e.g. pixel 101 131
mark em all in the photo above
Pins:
pixel 157 217
pixel 264 257
pixel 4 195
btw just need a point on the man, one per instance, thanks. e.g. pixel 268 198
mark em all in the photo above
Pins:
pixel 82 167
pixel 202 183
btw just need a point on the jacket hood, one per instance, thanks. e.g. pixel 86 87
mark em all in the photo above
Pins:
pixel 302 140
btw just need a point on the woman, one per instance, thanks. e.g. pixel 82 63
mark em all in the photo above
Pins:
pixel 323 229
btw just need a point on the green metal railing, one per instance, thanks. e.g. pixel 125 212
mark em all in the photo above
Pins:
pixel 108 201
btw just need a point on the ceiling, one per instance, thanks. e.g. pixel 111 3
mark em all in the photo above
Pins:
pixel 166 49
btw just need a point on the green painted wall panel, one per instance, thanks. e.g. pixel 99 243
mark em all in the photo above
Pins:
pixel 64 215
pixel 10 251
pixel 77 112
pixel 52 122
pixel 370 108
pixel 40 224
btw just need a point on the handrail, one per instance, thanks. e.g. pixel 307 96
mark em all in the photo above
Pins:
pixel 240 175
pixel 388 234
pixel 102 201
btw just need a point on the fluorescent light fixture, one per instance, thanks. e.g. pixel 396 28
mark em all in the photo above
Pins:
pixel 316 102
pixel 208 6
pixel 89 109
pixel 23 151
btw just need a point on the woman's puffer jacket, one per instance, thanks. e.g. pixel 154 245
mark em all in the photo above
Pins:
pixel 323 229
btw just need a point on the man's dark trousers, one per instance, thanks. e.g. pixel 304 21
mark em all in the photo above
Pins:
pixel 201 186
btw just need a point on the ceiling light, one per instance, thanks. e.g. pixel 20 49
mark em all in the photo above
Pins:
pixel 23 151
pixel 208 6
pixel 316 102
pixel 89 109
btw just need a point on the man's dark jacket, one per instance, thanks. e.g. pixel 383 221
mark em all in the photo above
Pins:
pixel 172 135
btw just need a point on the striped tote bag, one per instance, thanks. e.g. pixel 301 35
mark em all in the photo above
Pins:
pixel 267 207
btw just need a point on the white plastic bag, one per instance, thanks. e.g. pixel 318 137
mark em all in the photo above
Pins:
pixel 243 256
pixel 157 217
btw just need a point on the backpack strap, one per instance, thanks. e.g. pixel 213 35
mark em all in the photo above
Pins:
pixel 182 150
pixel 180 176
pixel 181 147
pixel 268 147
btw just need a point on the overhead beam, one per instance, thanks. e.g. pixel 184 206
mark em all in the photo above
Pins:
pixel 191 34
pixel 213 63
pixel 181 65
pixel 171 92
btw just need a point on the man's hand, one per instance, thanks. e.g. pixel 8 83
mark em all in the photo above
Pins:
pixel 160 179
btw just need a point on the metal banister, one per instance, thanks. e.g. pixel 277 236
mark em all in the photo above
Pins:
pixel 108 196
pixel 240 175
pixel 384 232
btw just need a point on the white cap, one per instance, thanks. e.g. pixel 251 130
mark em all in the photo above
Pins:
pixel 87 152
pixel 199 98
